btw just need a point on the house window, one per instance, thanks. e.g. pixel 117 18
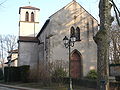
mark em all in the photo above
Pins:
pixel 27 16
pixel 72 31
pixel 77 34
pixel 32 17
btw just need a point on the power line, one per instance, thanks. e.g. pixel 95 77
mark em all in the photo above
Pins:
pixel 3 2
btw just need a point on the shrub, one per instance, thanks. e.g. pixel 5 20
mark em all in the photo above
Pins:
pixel 59 73
pixel 92 74
pixel 11 74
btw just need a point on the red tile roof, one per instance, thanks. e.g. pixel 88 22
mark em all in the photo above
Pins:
pixel 28 39
pixel 13 51
pixel 29 7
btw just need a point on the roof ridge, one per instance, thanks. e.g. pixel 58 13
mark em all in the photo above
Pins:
pixel 67 5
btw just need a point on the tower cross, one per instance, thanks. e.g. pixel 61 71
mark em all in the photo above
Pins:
pixel 29 2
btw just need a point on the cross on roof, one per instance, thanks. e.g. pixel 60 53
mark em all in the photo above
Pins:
pixel 29 1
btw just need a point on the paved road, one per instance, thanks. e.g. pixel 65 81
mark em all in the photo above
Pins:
pixel 5 88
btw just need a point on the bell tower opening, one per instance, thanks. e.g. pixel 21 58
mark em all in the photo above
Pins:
pixel 29 21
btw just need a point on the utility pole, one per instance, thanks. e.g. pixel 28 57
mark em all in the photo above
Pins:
pixel 102 41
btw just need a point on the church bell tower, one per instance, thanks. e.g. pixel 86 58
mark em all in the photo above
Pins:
pixel 28 21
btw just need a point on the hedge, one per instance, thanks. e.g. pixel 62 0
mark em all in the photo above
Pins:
pixel 20 73
pixel 1 74
pixel 24 73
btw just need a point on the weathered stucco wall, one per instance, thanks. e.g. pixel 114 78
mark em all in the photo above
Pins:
pixel 41 51
pixel 29 28
pixel 28 53
pixel 59 26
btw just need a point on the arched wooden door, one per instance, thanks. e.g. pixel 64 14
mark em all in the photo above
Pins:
pixel 76 64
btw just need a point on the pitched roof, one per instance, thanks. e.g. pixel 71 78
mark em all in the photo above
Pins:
pixel 44 26
pixel 47 21
pixel 28 39
pixel 63 7
pixel 28 7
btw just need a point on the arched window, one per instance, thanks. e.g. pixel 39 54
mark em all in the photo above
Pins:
pixel 32 17
pixel 88 29
pixel 72 31
pixel 27 16
pixel 77 34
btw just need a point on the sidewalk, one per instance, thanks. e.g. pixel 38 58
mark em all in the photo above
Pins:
pixel 26 88
pixel 19 88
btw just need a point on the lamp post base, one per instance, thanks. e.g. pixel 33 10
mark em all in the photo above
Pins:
pixel 70 86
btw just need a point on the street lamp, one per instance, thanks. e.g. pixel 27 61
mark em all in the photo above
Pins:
pixel 68 44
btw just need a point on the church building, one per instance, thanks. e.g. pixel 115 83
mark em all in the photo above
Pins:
pixel 48 45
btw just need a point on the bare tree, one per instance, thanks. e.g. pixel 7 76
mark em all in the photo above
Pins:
pixel 115 45
pixel 1 54
pixel 10 42
pixel 2 2
pixel 7 43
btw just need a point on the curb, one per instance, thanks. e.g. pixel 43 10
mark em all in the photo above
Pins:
pixel 20 88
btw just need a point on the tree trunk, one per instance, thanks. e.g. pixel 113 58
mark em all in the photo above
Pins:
pixel 102 41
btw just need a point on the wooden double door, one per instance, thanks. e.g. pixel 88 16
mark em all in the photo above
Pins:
pixel 76 65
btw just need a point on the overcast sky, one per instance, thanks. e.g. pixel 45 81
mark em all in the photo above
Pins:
pixel 9 16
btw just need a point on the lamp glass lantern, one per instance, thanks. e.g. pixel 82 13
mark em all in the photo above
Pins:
pixel 65 40
pixel 73 38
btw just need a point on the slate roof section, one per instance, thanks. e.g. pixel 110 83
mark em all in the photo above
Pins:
pixel 28 39
pixel 44 26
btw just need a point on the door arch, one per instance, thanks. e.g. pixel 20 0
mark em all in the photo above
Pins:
pixel 76 64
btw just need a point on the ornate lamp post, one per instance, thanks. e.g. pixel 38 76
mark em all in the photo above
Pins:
pixel 68 44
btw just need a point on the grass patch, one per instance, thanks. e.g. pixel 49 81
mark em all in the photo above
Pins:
pixel 53 86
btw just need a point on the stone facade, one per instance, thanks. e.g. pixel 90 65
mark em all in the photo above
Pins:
pixel 58 25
